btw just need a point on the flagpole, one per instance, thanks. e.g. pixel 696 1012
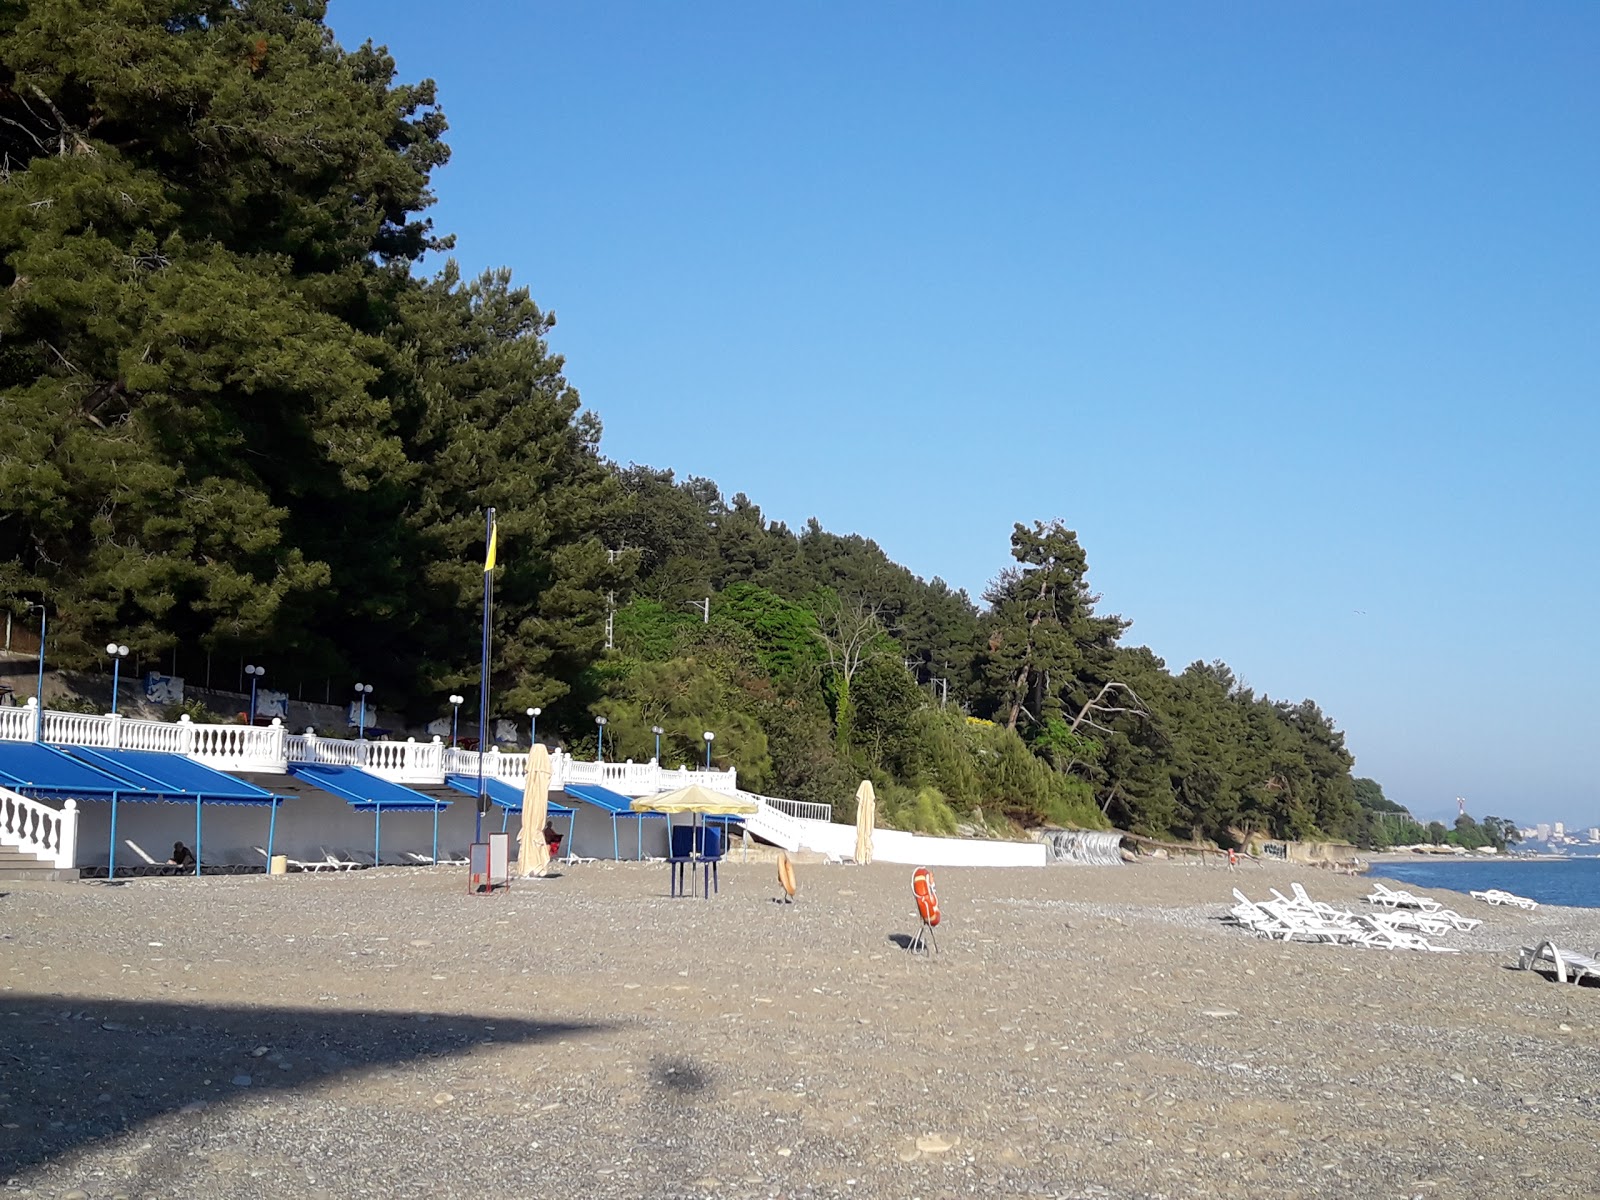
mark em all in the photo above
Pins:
pixel 483 687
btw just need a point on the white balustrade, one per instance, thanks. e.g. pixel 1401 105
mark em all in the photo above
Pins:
pixel 401 762
pixel 77 729
pixel 163 736
pixel 237 747
pixel 16 724
pixel 50 835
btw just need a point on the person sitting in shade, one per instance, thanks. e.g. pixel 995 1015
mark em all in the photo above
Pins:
pixel 182 856
pixel 552 839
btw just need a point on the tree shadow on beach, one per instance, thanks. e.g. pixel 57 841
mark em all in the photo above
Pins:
pixel 74 1072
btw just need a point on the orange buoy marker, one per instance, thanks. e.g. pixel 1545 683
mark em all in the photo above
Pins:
pixel 927 909
pixel 786 879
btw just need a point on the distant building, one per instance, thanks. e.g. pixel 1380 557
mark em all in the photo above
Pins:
pixel 1594 833
pixel 1559 829
pixel 1543 831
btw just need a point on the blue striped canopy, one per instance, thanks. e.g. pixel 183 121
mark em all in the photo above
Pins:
pixel 86 773
pixel 505 794
pixel 363 790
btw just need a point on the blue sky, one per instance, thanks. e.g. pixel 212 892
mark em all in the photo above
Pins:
pixel 1289 310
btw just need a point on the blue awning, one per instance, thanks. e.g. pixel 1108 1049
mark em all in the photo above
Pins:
pixel 502 792
pixel 84 773
pixel 363 790
pixel 614 803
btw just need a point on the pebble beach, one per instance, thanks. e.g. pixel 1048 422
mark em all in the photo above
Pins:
pixel 1081 1032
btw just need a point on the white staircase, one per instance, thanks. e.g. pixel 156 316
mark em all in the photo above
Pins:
pixel 37 841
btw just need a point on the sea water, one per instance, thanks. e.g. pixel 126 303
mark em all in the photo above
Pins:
pixel 1574 882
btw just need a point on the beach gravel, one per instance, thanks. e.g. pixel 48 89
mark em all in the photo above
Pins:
pixel 1081 1032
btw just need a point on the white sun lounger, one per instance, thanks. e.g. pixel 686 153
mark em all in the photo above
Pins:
pixel 341 862
pixel 295 864
pixel 1496 896
pixel 1569 967
pixel 1305 919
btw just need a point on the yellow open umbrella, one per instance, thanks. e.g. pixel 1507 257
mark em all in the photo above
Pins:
pixel 533 855
pixel 866 817
pixel 696 799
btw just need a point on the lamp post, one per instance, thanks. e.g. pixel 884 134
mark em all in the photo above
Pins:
pixel 533 727
pixel 658 731
pixel 363 690
pixel 118 653
pixel 455 716
pixel 600 751
pixel 38 719
pixel 709 737
pixel 255 674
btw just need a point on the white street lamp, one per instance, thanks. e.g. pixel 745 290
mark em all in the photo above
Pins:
pixel 455 717
pixel 533 726
pixel 255 674
pixel 658 731
pixel 709 737
pixel 600 754
pixel 118 653
pixel 363 690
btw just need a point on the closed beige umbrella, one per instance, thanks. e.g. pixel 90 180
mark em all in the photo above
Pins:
pixel 866 817
pixel 533 855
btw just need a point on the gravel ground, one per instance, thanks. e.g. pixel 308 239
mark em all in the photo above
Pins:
pixel 1083 1032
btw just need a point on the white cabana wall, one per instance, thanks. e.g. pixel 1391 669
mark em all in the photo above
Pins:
pixel 594 831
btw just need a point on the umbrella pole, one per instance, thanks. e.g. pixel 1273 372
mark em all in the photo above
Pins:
pixel 638 837
pixel 377 827
pixel 436 833
pixel 505 819
pixel 272 828
pixel 197 835
pixel 111 871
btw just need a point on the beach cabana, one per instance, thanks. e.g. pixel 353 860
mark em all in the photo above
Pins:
pixel 85 773
pixel 366 792
pixel 615 805
pixel 507 797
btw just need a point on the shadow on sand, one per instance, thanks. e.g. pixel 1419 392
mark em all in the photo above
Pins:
pixel 72 1072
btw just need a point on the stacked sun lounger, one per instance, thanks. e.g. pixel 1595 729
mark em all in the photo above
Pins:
pixel 1496 896
pixel 1424 908
pixel 1300 918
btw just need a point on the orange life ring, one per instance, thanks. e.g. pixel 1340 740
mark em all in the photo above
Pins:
pixel 786 875
pixel 927 898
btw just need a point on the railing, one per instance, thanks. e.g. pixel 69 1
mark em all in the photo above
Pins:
pixel 410 761
pixel 512 767
pixel 805 809
pixel 49 834
pixel 237 747
pixel 226 747
pixel 16 724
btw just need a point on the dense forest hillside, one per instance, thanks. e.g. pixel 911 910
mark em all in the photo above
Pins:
pixel 240 418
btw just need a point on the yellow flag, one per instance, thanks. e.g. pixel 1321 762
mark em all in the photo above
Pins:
pixel 494 540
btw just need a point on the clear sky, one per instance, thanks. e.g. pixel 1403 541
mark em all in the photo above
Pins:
pixel 1290 310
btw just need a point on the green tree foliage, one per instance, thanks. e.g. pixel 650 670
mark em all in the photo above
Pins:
pixel 1043 634
pixel 235 417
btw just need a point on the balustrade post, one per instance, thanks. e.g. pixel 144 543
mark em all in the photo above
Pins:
pixel 115 735
pixel 35 722
pixel 278 744
pixel 67 837
pixel 311 744
pixel 185 735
